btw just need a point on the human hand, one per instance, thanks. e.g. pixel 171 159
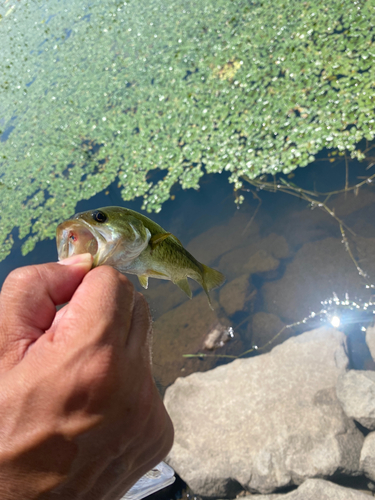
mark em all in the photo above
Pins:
pixel 80 416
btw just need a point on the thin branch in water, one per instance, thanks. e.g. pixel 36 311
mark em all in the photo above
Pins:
pixel 346 174
pixel 348 249
pixel 254 348
pixel 290 188
pixel 254 214
pixel 298 192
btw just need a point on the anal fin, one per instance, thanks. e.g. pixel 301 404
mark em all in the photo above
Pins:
pixel 184 285
pixel 143 280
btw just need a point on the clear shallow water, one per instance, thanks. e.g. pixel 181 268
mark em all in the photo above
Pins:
pixel 218 233
pixel 314 267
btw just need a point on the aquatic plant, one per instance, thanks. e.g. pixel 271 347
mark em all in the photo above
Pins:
pixel 153 93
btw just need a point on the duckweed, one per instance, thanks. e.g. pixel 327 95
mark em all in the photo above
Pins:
pixel 95 92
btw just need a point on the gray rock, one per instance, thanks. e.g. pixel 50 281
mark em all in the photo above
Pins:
pixel 256 257
pixel 316 489
pixel 263 329
pixel 367 461
pixel 370 340
pixel 235 295
pixel 178 332
pixel 261 262
pixel 218 240
pixel 265 422
pixel 318 269
pixel 356 393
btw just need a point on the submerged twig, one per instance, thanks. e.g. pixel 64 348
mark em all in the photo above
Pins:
pixel 348 249
pixel 254 214
pixel 254 348
pixel 293 190
pixel 346 174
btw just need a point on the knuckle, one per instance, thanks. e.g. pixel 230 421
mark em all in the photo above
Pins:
pixel 22 277
pixel 114 279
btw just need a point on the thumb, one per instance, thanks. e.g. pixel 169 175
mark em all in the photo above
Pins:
pixel 28 303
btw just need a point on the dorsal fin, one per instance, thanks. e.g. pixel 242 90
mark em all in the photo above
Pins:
pixel 156 239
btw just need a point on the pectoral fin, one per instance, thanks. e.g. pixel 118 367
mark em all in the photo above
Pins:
pixel 184 285
pixel 143 279
pixel 157 239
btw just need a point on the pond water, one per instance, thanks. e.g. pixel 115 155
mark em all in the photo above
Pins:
pixel 281 257
pixel 297 253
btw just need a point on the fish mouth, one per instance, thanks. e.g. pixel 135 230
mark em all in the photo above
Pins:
pixel 74 237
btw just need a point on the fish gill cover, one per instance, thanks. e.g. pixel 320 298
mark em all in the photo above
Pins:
pixel 93 92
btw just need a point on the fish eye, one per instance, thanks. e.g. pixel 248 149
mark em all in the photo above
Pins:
pixel 99 216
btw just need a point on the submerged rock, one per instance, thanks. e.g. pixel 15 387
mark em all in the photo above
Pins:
pixel 163 296
pixel 261 262
pixel 318 270
pixel 206 247
pixel 302 226
pixel 316 489
pixel 266 422
pixel 356 393
pixel 347 203
pixel 264 327
pixel 178 332
pixel 257 257
pixel 235 295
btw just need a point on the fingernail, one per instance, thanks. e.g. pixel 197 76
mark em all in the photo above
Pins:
pixel 79 259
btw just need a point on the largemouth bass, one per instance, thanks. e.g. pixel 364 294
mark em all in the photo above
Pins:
pixel 134 244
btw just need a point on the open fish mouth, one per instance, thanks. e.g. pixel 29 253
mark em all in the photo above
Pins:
pixel 76 237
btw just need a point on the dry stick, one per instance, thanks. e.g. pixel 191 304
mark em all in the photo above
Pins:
pixel 348 249
pixel 267 185
pixel 255 348
pixel 302 193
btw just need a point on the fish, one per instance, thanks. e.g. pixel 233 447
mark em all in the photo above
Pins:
pixel 134 244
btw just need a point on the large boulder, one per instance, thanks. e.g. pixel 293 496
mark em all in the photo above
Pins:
pixel 370 340
pixel 266 422
pixel 356 393
pixel 367 460
pixel 316 489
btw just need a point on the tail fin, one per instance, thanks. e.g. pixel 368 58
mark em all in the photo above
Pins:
pixel 211 279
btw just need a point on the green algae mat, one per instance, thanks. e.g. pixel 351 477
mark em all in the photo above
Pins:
pixel 150 93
